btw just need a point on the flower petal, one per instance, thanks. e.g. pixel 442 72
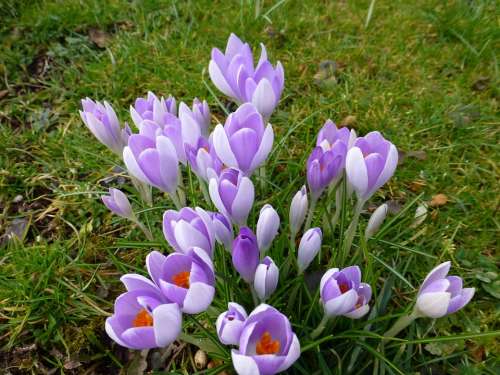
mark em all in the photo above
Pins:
pixel 167 323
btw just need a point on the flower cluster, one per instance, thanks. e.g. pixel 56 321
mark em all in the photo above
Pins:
pixel 170 139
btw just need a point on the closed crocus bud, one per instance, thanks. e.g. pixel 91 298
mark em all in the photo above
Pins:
pixel 230 323
pixel 244 142
pixel 343 293
pixel 309 246
pixel 223 230
pixel 152 108
pixel 194 122
pixel 143 318
pixel 118 203
pixel 186 279
pixel 266 278
pixel 298 210
pixel 233 73
pixel 376 220
pixel 245 254
pixel 233 194
pixel 153 161
pixel 189 228
pixel 102 121
pixel 267 227
pixel 202 158
pixel 370 163
pixel 440 294
pixel 267 343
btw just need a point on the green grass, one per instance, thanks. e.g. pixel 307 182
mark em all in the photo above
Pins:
pixel 423 73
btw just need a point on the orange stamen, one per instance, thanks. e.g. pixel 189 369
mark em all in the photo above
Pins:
pixel 143 319
pixel 343 288
pixel 181 279
pixel 266 345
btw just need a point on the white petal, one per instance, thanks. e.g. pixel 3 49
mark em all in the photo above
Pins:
pixel 264 148
pixel 433 305
pixel 198 298
pixel 243 364
pixel 243 201
pixel 264 98
pixel 355 168
pixel 223 148
pixel 167 326
pixel 218 79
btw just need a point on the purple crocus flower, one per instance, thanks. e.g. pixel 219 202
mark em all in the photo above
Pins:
pixel 230 323
pixel 186 279
pixel 143 318
pixel 309 246
pixel 266 278
pixel 244 142
pixel 118 203
pixel 245 254
pixel 267 227
pixel 223 230
pixel 233 194
pixel 202 158
pixel 189 228
pixel 233 73
pixel 440 294
pixel 152 161
pixel 370 163
pixel 194 122
pixel 343 293
pixel 298 210
pixel 330 134
pixel 102 121
pixel 152 108
pixel 267 343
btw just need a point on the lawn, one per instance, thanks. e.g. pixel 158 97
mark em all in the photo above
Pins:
pixel 424 73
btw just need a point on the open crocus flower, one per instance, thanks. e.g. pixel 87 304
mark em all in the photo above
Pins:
pixel 143 318
pixel 244 142
pixel 245 254
pixel 266 278
pixel 343 293
pixel 329 135
pixel 267 343
pixel 152 108
pixel 189 228
pixel 440 294
pixel 118 203
pixel 223 230
pixel 194 122
pixel 233 194
pixel 186 279
pixel 370 163
pixel 152 161
pixel 233 73
pixel 230 323
pixel 202 159
pixel 102 121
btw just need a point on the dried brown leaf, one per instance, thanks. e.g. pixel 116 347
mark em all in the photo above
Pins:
pixel 438 200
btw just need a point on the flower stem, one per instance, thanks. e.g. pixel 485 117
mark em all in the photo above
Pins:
pixel 143 189
pixel 310 213
pixel 401 324
pixel 145 230
pixel 321 327
pixel 351 230
pixel 204 190
pixel 254 295
pixel 338 207
pixel 175 199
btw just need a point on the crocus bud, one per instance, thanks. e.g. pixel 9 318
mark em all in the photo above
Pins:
pixel 245 254
pixel 298 210
pixel 376 220
pixel 343 293
pixel 233 194
pixel 309 246
pixel 230 323
pixel 223 230
pixel 266 278
pixel 102 121
pixel 440 294
pixel 267 227
pixel 194 122
pixel 118 203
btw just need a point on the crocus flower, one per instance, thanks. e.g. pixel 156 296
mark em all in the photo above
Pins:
pixel 244 142
pixel 233 73
pixel 203 159
pixel 102 121
pixel 370 163
pixel 189 228
pixel 223 230
pixel 230 323
pixel 329 135
pixel 143 318
pixel 245 254
pixel 440 294
pixel 376 220
pixel 309 246
pixel 325 167
pixel 152 108
pixel 298 210
pixel 186 279
pixel 118 203
pixel 267 343
pixel 194 122
pixel 153 162
pixel 267 227
pixel 233 194
pixel 266 278
pixel 343 293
